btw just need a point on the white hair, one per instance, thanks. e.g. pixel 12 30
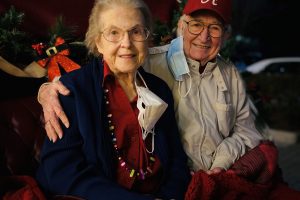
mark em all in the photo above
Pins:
pixel 95 23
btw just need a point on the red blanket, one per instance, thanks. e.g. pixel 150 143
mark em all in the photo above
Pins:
pixel 254 176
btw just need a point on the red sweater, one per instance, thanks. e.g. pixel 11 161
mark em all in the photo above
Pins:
pixel 129 138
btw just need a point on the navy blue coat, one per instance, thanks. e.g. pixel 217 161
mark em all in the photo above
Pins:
pixel 82 163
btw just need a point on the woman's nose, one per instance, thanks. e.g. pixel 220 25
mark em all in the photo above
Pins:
pixel 126 42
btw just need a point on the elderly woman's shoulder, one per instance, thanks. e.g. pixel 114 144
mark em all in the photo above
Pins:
pixel 77 80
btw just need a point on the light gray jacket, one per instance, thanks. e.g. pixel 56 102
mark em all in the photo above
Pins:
pixel 212 110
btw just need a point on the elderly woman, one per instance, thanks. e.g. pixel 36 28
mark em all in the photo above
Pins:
pixel 123 141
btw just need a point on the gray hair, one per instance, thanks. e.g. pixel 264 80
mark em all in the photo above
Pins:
pixel 95 19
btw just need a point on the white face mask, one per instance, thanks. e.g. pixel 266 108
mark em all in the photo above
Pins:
pixel 151 108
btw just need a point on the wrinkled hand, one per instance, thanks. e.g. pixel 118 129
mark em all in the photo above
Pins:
pixel 216 170
pixel 53 112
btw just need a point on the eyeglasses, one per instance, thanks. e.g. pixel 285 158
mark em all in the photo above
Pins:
pixel 115 34
pixel 196 27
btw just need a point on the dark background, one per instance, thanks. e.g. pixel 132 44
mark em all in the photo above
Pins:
pixel 273 23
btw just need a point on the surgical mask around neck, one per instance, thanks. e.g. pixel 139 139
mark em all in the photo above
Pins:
pixel 151 108
pixel 176 59
pixel 178 65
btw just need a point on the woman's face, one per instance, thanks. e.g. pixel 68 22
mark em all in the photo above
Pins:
pixel 126 55
pixel 201 47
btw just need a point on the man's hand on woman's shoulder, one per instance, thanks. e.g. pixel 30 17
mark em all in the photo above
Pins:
pixel 53 112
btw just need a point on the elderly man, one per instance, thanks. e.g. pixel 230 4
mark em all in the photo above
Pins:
pixel 211 105
pixel 212 109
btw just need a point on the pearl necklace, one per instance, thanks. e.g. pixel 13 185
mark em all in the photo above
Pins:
pixel 139 173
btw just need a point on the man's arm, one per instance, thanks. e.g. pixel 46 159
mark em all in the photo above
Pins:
pixel 53 112
pixel 244 135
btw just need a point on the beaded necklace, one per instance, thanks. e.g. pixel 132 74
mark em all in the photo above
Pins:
pixel 141 174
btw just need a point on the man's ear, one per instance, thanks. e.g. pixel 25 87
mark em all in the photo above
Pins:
pixel 228 31
pixel 180 26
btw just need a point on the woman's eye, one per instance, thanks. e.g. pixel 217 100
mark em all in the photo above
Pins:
pixel 114 32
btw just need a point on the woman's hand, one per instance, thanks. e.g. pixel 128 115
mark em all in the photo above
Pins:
pixel 53 112
pixel 216 170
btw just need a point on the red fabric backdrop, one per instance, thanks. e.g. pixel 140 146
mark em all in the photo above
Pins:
pixel 40 15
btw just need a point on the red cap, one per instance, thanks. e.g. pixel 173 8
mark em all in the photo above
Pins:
pixel 221 7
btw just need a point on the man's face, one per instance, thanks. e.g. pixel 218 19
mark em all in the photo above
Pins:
pixel 201 47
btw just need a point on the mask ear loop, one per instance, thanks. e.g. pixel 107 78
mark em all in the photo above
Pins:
pixel 141 79
pixel 152 142
pixel 189 88
pixel 145 132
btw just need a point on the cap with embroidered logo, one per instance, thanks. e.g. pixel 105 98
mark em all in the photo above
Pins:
pixel 221 7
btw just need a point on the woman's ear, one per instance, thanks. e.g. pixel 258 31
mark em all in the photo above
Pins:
pixel 98 45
